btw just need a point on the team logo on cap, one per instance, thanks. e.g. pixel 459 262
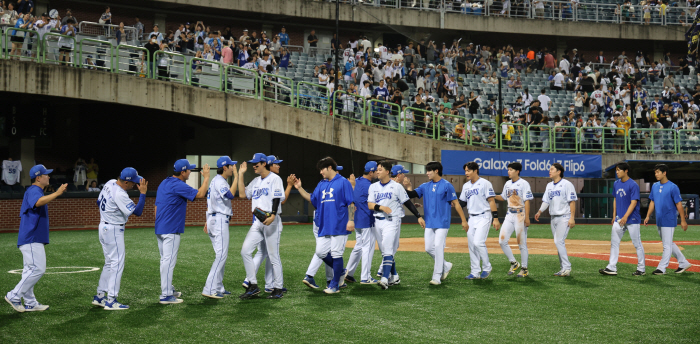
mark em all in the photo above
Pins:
pixel 37 173
pixel 184 168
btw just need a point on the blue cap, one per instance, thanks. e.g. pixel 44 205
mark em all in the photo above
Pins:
pixel 370 166
pixel 225 161
pixel 38 170
pixel 258 157
pixel 339 168
pixel 271 159
pixel 129 174
pixel 184 165
pixel 398 169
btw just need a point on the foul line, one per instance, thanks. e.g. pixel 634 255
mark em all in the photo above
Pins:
pixel 87 269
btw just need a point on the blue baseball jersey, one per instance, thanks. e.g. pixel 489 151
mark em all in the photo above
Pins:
pixel 34 221
pixel 171 203
pixel 363 216
pixel 665 197
pixel 436 202
pixel 625 193
pixel 331 201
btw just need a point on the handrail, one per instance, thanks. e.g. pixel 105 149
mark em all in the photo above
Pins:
pixel 45 44
pixel 452 130
pixel 12 32
pixel 535 131
pixel 171 58
pixel 384 114
pixel 346 105
pixel 488 127
pixel 519 131
pixel 97 47
pixel 422 126
pixel 107 30
pixel 238 81
pixel 131 51
pixel 269 81
pixel 571 136
pixel 206 63
pixel 655 141
pixel 314 97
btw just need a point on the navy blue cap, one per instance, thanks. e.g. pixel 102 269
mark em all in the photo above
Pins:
pixel 38 170
pixel 398 169
pixel 129 174
pixel 370 166
pixel 271 159
pixel 225 161
pixel 258 157
pixel 184 165
pixel 339 168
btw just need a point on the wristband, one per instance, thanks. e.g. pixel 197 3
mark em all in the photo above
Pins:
pixel 494 214
pixel 376 207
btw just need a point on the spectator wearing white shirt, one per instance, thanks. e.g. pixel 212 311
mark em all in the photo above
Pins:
pixel 545 103
pixel 159 36
pixel 527 97
pixel 564 64
pixel 558 81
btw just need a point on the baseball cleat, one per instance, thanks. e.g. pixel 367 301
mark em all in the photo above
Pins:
pixel 16 305
pixel 472 277
pixel 350 279
pixel 485 274
pixel 394 280
pixel 310 282
pixel 514 266
pixel 658 272
pixel 170 300
pixel 343 276
pixel 250 292
pixel 225 292
pixel 607 271
pixel 369 281
pixel 523 273
pixel 379 274
pixel 446 272
pixel 36 308
pixel 681 270
pixel 563 273
pixel 176 293
pixel 639 273
pixel 383 283
pixel 435 282
pixel 270 290
pixel 99 301
pixel 343 286
pixel 115 306
pixel 276 294
pixel 213 296
pixel 331 290
pixel 245 284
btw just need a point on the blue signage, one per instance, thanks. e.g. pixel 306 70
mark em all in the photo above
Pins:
pixel 534 164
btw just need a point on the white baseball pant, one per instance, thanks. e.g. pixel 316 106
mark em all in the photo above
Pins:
pixel 670 248
pixel 316 262
pixel 261 255
pixel 615 238
pixel 217 226
pixel 335 244
pixel 112 240
pixel 168 245
pixel 514 222
pixel 560 229
pixel 363 250
pixel 435 247
pixel 34 258
pixel 386 231
pixel 269 237
pixel 397 238
pixel 691 216
pixel 479 226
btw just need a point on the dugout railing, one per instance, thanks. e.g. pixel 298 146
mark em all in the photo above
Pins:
pixel 173 67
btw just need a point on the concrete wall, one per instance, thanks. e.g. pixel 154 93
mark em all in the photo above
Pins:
pixel 432 20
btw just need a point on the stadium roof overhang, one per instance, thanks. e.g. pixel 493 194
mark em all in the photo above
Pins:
pixel 685 169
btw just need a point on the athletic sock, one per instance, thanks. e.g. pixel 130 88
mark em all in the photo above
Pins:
pixel 337 271
pixel 328 259
pixel 387 264
pixel 393 267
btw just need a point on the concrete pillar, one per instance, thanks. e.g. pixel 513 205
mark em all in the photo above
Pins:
pixel 26 156
pixel 658 51
pixel 160 21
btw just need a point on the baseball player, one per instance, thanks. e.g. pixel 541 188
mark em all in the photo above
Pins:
pixel 625 218
pixel 33 235
pixel 478 196
pixel 261 254
pixel 386 198
pixel 219 213
pixel 665 198
pixel 364 222
pixel 170 211
pixel 267 193
pixel 560 196
pixel 115 209
pixel 438 198
pixel 518 194
pixel 316 262
pixel 331 198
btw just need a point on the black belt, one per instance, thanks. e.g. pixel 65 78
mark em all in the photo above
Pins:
pixel 212 214
pixel 513 210
pixel 383 218
pixel 479 214
pixel 114 224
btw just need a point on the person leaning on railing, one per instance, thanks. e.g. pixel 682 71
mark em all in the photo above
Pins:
pixel 18 36
pixel 152 46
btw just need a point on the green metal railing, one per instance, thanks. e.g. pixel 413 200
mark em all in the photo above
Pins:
pixel 30 40
pixel 350 106
pixel 51 51
pixel 614 140
pixel 567 139
pixel 383 114
pixel 451 127
pixel 170 66
pixel 652 140
pixel 132 60
pixel 518 140
pixel 312 97
pixel 539 138
pixel 688 141
pixel 99 52
pixel 418 122
pixel 483 133
pixel 211 74
pixel 276 88
pixel 242 82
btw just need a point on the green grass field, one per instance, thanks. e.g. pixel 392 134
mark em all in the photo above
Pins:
pixel 585 308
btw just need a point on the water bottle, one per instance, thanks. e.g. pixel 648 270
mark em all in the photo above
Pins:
pixel 298 213
pixel 589 215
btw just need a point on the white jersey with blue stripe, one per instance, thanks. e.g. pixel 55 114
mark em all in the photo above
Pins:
pixel 558 197
pixel 219 196
pixel 391 194
pixel 477 196
pixel 115 204
pixel 262 190
pixel 516 193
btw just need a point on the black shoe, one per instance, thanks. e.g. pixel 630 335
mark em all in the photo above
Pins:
pixel 250 292
pixel 639 273
pixel 681 270
pixel 276 294
pixel 658 272
pixel 607 271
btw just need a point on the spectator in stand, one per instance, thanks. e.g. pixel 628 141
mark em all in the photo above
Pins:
pixel 92 187
pixel 69 15
pixel 106 19
pixel 25 7
pixel 152 46
pixel 227 53
pixel 139 28
pixel 159 36
pixel 23 22
pixel 313 43
pixel 284 37
pixel 66 44
pixel 558 81
pixel 545 103
pixel 121 34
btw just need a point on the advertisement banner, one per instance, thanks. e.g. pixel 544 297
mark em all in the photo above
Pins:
pixel 534 164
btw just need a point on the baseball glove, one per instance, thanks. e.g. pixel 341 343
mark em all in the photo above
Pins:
pixel 261 214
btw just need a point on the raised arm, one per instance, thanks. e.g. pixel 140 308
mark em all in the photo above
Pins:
pixel 202 192
pixel 48 198
pixel 290 183
pixel 241 185
pixel 302 192
pixel 234 185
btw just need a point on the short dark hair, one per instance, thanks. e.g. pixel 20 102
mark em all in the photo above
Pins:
pixel 559 167
pixel 266 166
pixel 385 164
pixel 661 168
pixel 220 170
pixel 623 166
pixel 434 165
pixel 516 166
pixel 33 180
pixel 177 174
pixel 472 166
pixel 327 162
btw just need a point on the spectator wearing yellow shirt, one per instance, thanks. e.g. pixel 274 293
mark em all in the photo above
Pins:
pixel 622 122
pixel 662 11
pixel 92 170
